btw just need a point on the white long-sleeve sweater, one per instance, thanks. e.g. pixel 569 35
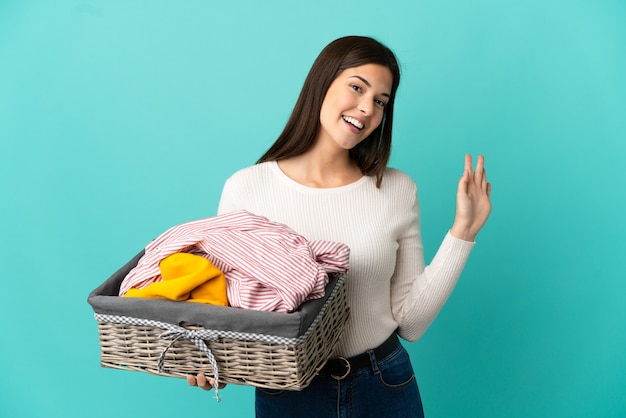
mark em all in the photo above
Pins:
pixel 389 286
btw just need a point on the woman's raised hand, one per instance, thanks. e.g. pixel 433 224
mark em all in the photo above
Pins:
pixel 473 203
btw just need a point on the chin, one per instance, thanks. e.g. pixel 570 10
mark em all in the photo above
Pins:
pixel 348 145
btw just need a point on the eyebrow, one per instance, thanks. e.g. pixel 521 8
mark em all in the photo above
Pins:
pixel 367 83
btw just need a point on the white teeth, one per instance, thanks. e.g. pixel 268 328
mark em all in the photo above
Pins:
pixel 353 122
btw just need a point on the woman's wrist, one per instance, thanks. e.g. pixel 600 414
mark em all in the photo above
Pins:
pixel 462 232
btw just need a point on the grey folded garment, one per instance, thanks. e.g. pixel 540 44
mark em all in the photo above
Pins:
pixel 105 300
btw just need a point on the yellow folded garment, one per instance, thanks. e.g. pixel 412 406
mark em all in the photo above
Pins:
pixel 186 277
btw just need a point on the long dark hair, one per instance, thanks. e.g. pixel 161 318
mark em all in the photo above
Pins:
pixel 300 132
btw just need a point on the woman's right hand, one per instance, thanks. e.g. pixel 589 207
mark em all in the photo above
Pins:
pixel 473 200
pixel 201 381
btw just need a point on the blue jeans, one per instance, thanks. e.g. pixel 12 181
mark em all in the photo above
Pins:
pixel 385 389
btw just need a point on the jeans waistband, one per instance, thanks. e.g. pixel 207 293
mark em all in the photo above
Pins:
pixel 340 368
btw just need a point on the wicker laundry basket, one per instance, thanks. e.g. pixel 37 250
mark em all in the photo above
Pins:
pixel 264 349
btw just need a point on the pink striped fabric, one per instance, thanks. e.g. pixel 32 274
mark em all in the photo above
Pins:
pixel 268 266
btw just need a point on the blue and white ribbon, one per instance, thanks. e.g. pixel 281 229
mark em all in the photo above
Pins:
pixel 174 333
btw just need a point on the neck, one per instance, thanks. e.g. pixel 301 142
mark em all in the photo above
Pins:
pixel 317 168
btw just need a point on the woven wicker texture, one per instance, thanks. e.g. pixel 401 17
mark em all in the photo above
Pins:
pixel 254 363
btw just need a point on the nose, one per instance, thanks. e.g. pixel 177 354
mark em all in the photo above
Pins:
pixel 366 106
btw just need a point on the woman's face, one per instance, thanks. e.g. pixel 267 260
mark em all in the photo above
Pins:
pixel 354 105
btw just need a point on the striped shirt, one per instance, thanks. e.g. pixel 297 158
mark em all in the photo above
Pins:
pixel 268 266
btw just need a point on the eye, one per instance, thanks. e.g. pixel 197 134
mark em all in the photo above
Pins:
pixel 356 87
pixel 380 103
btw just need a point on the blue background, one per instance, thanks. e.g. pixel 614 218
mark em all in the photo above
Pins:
pixel 119 119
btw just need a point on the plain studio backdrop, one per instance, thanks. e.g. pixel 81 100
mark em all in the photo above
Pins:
pixel 119 119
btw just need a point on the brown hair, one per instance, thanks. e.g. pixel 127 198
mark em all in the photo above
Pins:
pixel 298 136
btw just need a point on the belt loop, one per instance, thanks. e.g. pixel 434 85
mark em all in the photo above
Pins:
pixel 373 361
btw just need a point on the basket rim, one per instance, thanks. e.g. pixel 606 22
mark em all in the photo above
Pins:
pixel 211 334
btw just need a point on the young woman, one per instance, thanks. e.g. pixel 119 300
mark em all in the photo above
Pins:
pixel 326 176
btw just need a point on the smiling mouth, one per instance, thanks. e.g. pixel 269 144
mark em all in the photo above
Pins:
pixel 353 122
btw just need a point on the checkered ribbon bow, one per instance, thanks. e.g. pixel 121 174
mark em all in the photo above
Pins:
pixel 174 333
pixel 197 337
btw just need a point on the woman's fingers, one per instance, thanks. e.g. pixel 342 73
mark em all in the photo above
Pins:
pixel 479 173
pixel 468 164
pixel 473 200
pixel 480 176
pixel 485 183
pixel 201 381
